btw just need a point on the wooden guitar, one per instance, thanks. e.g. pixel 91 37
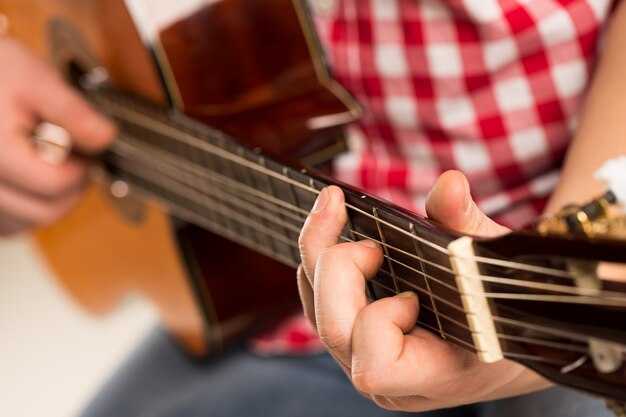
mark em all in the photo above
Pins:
pixel 167 73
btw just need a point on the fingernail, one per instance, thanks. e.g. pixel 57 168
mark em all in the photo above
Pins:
pixel 368 243
pixel 407 294
pixel 322 201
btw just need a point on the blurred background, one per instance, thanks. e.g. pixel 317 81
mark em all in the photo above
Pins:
pixel 54 356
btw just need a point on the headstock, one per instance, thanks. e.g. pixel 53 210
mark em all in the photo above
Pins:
pixel 559 300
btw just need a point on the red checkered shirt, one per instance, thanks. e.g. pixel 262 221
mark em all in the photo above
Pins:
pixel 490 87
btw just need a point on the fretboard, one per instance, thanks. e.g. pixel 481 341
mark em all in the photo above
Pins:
pixel 260 201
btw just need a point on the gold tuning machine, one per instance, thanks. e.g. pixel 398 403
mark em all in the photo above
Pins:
pixel 599 217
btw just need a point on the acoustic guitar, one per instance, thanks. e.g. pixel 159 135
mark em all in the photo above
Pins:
pixel 212 238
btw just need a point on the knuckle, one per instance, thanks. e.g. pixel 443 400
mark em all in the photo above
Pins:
pixel 333 338
pixel 370 379
pixel 386 403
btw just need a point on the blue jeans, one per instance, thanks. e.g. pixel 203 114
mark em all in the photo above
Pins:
pixel 159 380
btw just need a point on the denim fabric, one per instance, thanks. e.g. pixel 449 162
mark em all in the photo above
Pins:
pixel 159 380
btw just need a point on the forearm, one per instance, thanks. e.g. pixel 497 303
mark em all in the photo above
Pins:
pixel 602 131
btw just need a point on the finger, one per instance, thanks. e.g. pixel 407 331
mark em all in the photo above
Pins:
pixel 56 102
pixel 378 341
pixel 306 296
pixel 391 357
pixel 339 289
pixel 10 226
pixel 26 209
pixel 322 228
pixel 41 178
pixel 450 203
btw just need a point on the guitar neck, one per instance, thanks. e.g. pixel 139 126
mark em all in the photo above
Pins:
pixel 257 200
pixel 262 201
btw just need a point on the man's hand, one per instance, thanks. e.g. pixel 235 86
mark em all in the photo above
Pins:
pixel 34 192
pixel 387 358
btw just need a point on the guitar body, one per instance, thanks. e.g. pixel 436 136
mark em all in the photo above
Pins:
pixel 179 69
pixel 205 287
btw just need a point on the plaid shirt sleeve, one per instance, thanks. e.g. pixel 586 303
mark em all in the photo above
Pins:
pixel 489 87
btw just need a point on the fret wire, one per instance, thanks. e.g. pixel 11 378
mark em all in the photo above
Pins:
pixel 133 116
pixel 546 330
pixel 419 254
pixel 192 217
pixel 441 282
pixel 526 297
pixel 217 193
pixel 465 326
pixel 449 337
pixel 204 188
pixel 606 295
pixel 543 329
pixel 230 213
pixel 247 174
pixel 188 214
pixel 192 157
pixel 434 329
pixel 224 231
pixel 505 281
pixel 193 141
pixel 440 267
pixel 492 279
pixel 294 202
pixel 423 291
pixel 511 322
pixel 484 260
pixel 368 289
pixel 488 295
pixel 531 340
pixel 232 199
pixel 180 164
pixel 385 249
pixel 228 166
pixel 272 194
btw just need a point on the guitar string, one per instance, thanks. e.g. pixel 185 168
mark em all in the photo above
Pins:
pixel 506 281
pixel 218 193
pixel 420 290
pixel 203 199
pixel 508 264
pixel 518 324
pixel 161 127
pixel 511 355
pixel 532 340
pixel 550 343
pixel 296 228
pixel 485 260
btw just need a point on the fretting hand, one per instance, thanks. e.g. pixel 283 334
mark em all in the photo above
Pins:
pixel 387 358
pixel 34 192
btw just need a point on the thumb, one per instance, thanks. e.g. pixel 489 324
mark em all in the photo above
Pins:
pixel 450 203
